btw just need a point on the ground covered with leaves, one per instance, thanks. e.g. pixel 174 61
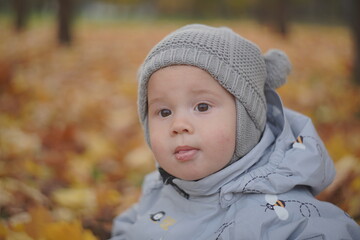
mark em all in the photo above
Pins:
pixel 72 154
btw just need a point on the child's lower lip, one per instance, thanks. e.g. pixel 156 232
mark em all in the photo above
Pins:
pixel 186 155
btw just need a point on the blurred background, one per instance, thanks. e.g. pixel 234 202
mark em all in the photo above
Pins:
pixel 72 153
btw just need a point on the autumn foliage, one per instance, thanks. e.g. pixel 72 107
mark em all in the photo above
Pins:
pixel 72 154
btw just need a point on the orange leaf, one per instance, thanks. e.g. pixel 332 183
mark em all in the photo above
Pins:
pixel 40 217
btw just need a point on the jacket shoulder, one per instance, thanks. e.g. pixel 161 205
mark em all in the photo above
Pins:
pixel 151 182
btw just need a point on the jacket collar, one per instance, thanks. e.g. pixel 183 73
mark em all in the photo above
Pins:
pixel 212 184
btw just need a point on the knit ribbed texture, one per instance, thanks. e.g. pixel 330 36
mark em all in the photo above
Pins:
pixel 236 63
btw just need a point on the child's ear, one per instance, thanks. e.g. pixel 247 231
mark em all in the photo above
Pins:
pixel 278 67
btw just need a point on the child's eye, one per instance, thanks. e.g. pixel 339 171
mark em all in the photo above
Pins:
pixel 165 112
pixel 202 107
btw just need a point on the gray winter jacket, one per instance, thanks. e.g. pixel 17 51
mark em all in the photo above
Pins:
pixel 268 194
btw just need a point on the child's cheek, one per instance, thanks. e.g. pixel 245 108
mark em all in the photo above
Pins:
pixel 226 135
pixel 157 147
pixel 154 145
pixel 226 141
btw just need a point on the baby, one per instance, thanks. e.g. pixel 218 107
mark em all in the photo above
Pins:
pixel 233 163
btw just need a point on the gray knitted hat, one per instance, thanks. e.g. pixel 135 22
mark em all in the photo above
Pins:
pixel 236 63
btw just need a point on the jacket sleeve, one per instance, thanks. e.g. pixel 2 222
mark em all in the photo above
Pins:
pixel 312 219
pixel 122 222
pixel 318 229
pixel 297 215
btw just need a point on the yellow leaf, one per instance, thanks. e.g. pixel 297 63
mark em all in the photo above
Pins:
pixel 18 236
pixel 337 146
pixel 97 146
pixel 18 221
pixel 139 158
pixel 3 230
pixel 356 184
pixel 39 218
pixel 63 214
pixel 76 198
pixel 35 169
pixel 108 196
pixel 16 141
pixel 73 230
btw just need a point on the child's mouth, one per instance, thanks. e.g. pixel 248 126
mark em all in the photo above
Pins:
pixel 185 153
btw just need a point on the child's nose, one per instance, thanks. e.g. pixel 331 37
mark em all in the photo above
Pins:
pixel 180 126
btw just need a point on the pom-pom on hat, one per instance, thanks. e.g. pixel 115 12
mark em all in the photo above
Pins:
pixel 235 62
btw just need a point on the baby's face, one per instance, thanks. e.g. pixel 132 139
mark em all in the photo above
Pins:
pixel 192 122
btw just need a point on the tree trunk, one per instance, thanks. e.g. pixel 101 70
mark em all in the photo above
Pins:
pixel 65 15
pixel 356 37
pixel 281 16
pixel 223 9
pixel 21 14
pixel 274 13
pixel 262 11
